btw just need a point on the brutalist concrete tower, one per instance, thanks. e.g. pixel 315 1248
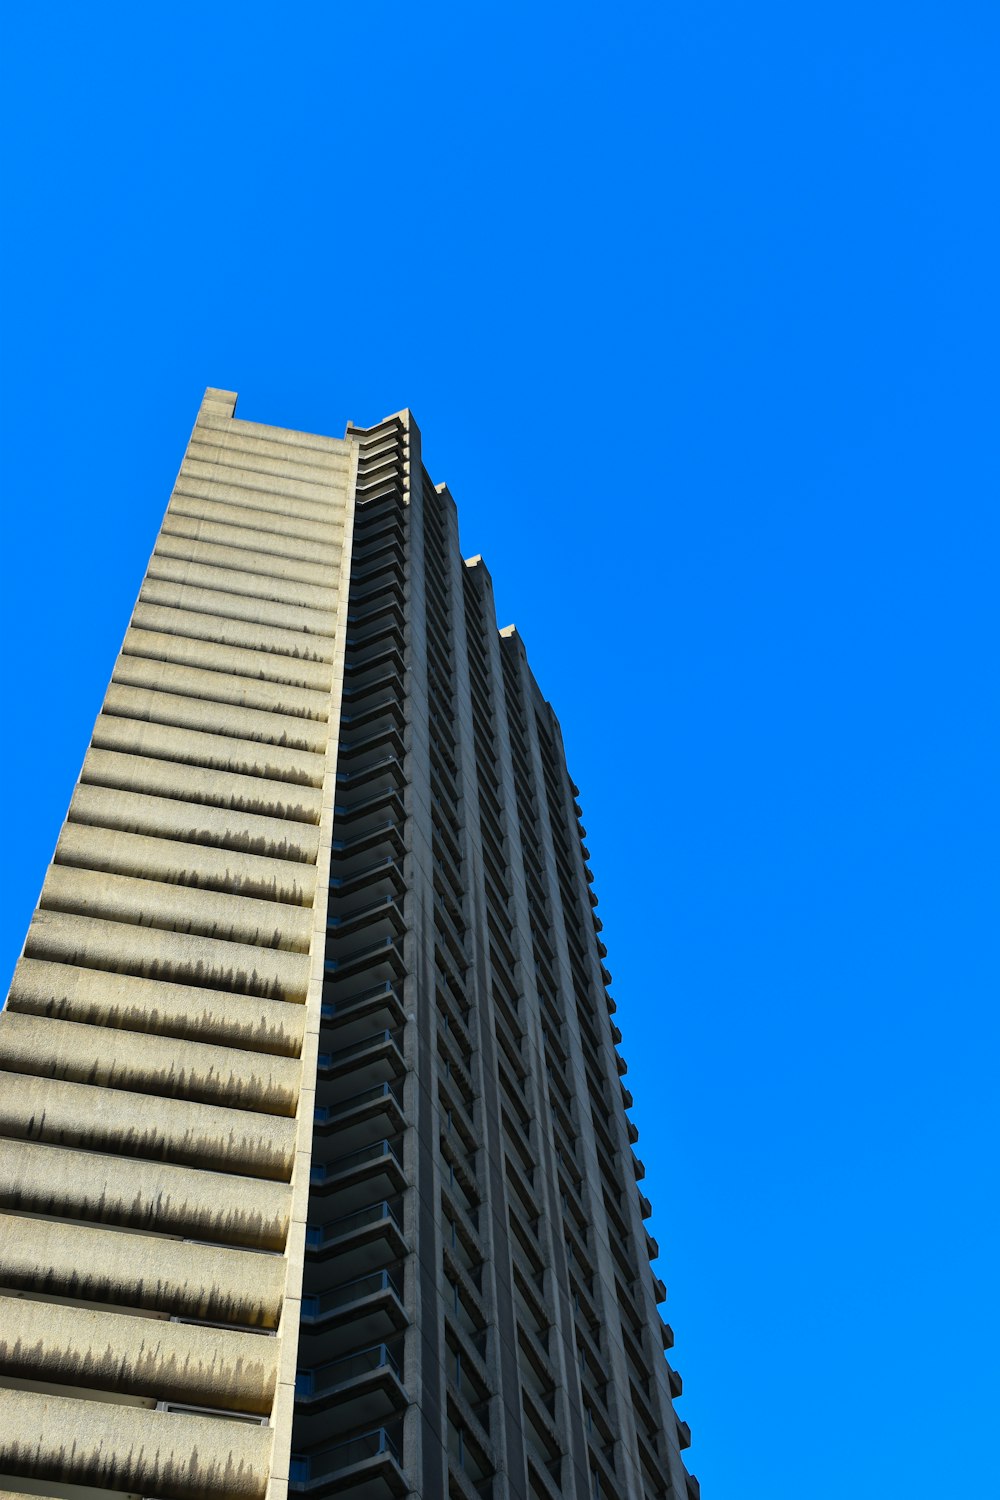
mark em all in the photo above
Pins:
pixel 315 1170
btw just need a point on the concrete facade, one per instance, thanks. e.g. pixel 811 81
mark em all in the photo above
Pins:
pixel 315 1170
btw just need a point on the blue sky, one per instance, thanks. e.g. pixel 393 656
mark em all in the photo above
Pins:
pixel 696 306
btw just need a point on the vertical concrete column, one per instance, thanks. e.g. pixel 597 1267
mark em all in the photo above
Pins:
pixel 619 1404
pixel 506 1423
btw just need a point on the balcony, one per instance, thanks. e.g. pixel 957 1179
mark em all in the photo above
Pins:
pixel 379 574
pixel 381 608
pixel 379 877
pixel 379 961
pixel 387 681
pixel 354 1015
pixel 366 1309
pixel 366 1386
pixel 365 814
pixel 448 932
pixel 388 625
pixel 369 1239
pixel 379 917
pixel 368 589
pixel 367 1467
pixel 355 848
pixel 376 774
pixel 375 715
pixel 386 733
pixel 348 1124
pixel 363 670
pixel 358 1176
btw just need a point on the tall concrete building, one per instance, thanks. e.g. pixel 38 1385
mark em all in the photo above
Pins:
pixel 316 1175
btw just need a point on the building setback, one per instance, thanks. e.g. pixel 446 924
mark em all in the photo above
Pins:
pixel 315 1171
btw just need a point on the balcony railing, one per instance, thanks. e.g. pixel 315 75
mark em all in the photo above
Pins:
pixel 370 912
pixel 323 1378
pixel 325 1114
pixel 317 1468
pixel 377 867
pixel 333 1009
pixel 318 1235
pixel 372 953
pixel 354 1049
pixel 375 1152
pixel 318 1305
pixel 383 763
pixel 342 846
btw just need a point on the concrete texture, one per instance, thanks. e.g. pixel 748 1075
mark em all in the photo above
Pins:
pixel 126 1448
pixel 152 1045
pixel 124 1002
pixel 140 1269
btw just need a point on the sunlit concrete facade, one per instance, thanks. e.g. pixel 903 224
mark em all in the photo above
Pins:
pixel 315 1170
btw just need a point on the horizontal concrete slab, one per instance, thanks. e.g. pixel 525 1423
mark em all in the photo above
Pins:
pixel 128 1448
pixel 255 514
pixel 313 560
pixel 314 623
pixel 177 908
pixel 141 1270
pixel 192 823
pixel 184 710
pixel 328 491
pixel 305 601
pixel 283 577
pixel 138 1356
pixel 91 942
pixel 267 452
pixel 187 621
pixel 242 661
pixel 200 1204
pixel 96 998
pixel 228 790
pixel 180 862
pixel 142 665
pixel 214 752
pixel 97 1118
pixel 149 1064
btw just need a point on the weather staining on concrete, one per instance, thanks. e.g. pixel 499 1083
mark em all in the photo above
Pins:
pixel 153 1047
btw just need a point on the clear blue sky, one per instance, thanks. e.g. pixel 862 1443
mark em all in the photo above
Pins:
pixel 696 305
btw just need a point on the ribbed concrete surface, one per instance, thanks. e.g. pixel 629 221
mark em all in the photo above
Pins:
pixel 101 1188
pixel 123 946
pixel 99 1118
pixel 162 858
pixel 233 791
pixel 158 1065
pixel 140 1356
pixel 150 1055
pixel 166 818
pixel 128 1448
pixel 127 1003
pixel 100 1264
